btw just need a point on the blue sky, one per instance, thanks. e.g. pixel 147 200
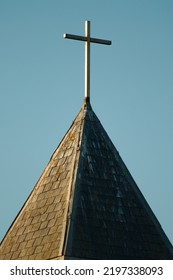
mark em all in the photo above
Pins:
pixel 42 90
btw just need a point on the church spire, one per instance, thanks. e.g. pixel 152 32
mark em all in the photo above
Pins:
pixel 86 204
pixel 87 39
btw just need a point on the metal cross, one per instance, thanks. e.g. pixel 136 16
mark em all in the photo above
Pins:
pixel 87 39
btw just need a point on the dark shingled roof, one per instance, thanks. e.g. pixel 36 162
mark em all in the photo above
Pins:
pixel 86 205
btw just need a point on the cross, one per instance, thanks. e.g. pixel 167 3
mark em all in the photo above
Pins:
pixel 87 39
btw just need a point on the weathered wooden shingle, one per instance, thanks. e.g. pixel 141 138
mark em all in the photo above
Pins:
pixel 86 205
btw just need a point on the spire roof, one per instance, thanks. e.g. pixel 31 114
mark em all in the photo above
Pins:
pixel 86 205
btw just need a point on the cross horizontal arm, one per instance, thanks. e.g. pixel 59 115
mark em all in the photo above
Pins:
pixel 100 41
pixel 92 40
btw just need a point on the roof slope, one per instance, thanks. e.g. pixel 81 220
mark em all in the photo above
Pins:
pixel 86 205
pixel 110 217
pixel 38 231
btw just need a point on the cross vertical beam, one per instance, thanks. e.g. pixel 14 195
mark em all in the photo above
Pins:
pixel 87 59
pixel 87 39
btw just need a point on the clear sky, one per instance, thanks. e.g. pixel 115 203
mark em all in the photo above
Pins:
pixel 42 90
